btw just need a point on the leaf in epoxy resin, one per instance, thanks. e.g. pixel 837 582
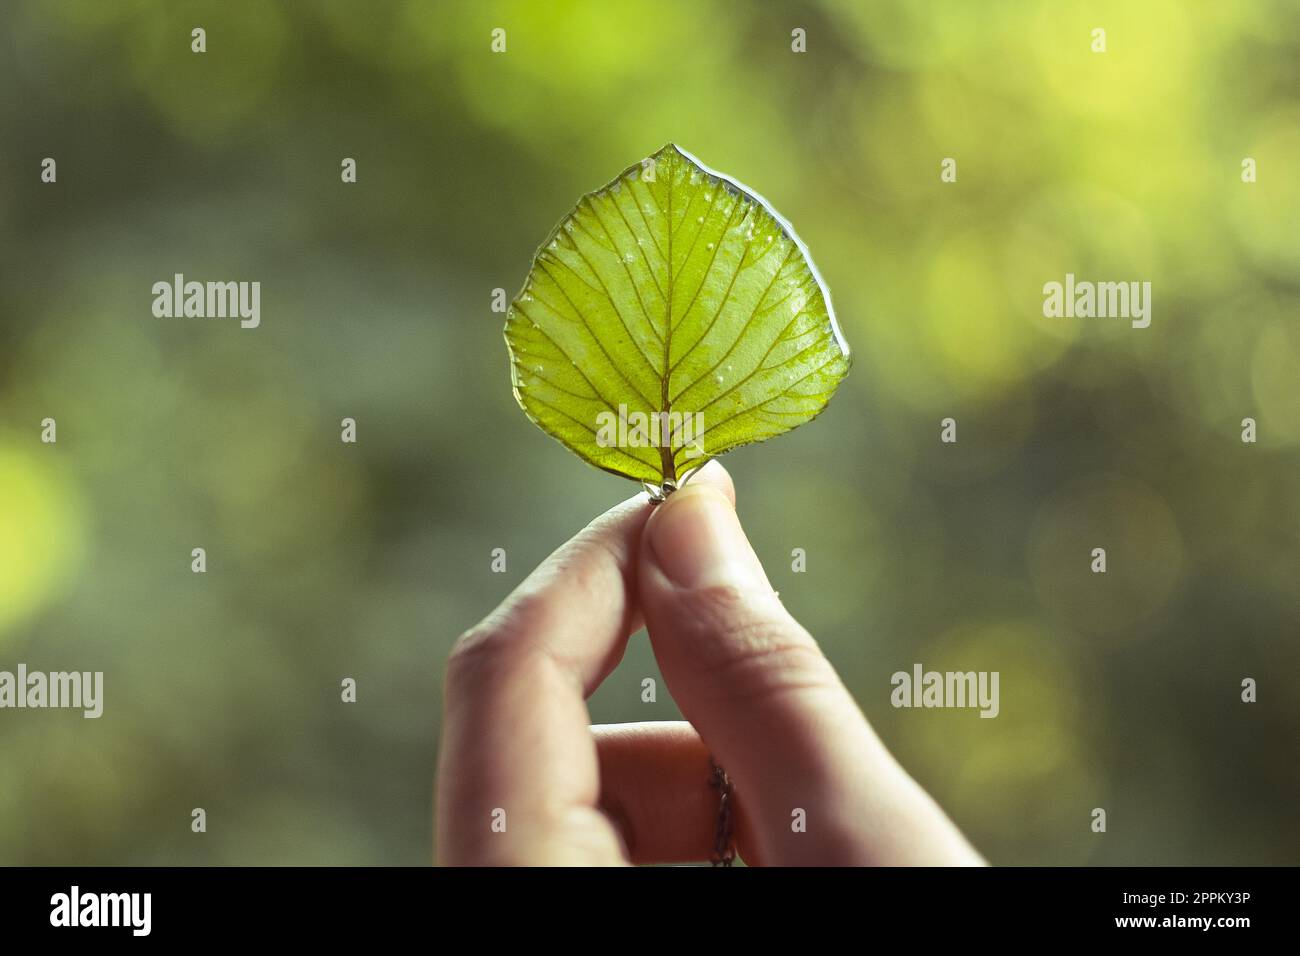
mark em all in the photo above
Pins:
pixel 673 315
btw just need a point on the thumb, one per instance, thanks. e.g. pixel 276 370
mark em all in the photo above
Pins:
pixel 768 703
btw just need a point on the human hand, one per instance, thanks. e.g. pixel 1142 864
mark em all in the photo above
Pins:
pixel 517 748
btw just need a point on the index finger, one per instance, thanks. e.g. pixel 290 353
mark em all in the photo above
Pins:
pixel 518 760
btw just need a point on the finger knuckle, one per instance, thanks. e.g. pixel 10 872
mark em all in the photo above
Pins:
pixel 477 654
pixel 747 643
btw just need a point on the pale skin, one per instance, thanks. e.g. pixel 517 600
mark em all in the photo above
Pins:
pixel 756 691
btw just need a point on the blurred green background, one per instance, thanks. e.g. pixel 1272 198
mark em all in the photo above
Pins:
pixel 328 560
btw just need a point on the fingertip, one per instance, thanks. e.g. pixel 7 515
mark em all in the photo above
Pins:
pixel 695 539
pixel 713 475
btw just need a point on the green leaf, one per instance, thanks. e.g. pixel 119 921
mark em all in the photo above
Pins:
pixel 671 317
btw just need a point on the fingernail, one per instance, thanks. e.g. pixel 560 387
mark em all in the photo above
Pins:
pixel 697 541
